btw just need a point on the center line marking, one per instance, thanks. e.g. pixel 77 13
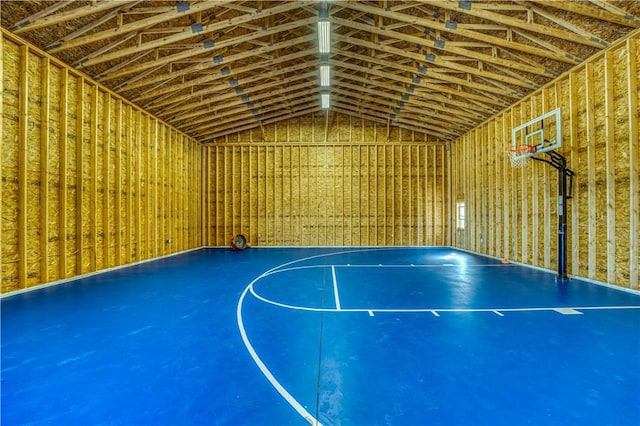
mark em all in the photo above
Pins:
pixel 335 287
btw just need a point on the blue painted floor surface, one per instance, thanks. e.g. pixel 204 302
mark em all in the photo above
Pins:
pixel 331 336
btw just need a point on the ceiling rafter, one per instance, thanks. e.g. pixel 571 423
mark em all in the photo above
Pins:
pixel 419 81
pixel 254 93
pixel 610 7
pixel 54 7
pixel 383 117
pixel 474 35
pixel 617 17
pixel 93 24
pixel 426 75
pixel 197 30
pixel 35 22
pixel 182 98
pixel 444 46
pixel 211 60
pixel 470 9
pixel 412 111
pixel 139 25
pixel 268 120
pixel 214 68
pixel 242 112
pixel 438 62
pixel 566 24
pixel 479 112
pixel 211 77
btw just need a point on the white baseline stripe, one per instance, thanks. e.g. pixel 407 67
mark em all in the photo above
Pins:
pixel 335 287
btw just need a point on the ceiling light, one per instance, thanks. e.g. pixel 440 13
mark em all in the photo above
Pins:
pixel 324 28
pixel 324 75
pixel 325 100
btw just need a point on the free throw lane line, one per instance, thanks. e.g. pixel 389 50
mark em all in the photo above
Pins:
pixel 335 288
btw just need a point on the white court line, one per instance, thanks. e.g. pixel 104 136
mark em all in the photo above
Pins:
pixel 568 311
pixel 350 265
pixel 435 312
pixel 274 382
pixel 267 373
pixel 254 355
pixel 335 287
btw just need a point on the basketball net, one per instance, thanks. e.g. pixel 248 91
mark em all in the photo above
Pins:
pixel 516 157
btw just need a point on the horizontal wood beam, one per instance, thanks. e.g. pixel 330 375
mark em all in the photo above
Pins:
pixel 193 30
pixel 93 8
pixel 517 23
pixel 119 30
pixel 440 26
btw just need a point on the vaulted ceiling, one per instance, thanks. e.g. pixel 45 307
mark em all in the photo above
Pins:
pixel 212 68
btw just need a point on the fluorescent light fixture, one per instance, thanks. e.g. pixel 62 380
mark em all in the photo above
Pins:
pixel 325 100
pixel 324 28
pixel 324 75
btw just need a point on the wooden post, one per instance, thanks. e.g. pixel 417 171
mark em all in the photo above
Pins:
pixel 1 132
pixel 155 217
pixel 64 94
pixel 505 187
pixel 149 216
pixel 634 161
pixel 44 171
pixel 610 165
pixel 79 175
pixel 22 166
pixel 106 154
pixel 94 178
pixel 118 183
pixel 446 193
pixel 591 172
pixel 575 202
pixel 128 189
pixel 137 147
pixel 535 207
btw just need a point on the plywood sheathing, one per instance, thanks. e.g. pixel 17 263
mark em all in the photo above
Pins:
pixel 472 58
pixel 308 192
pixel 600 141
pixel 72 187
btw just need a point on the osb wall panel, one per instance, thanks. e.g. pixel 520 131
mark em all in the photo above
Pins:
pixel 88 180
pixel 512 213
pixel 304 192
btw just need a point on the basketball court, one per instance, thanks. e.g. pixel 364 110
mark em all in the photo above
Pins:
pixel 320 213
pixel 322 336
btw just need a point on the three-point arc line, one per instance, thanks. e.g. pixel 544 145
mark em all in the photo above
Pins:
pixel 302 411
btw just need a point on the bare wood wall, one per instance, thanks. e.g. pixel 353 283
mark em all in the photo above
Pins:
pixel 512 213
pixel 88 180
pixel 309 182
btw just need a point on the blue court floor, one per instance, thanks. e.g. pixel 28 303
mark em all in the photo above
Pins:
pixel 331 336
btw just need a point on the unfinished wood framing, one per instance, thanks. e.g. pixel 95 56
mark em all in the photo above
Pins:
pixel 73 175
pixel 90 181
pixel 599 104
pixel 308 192
pixel 633 102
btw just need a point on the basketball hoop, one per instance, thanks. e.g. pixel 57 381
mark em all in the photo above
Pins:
pixel 517 157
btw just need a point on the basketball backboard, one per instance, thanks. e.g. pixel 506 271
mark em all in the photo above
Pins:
pixel 542 134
